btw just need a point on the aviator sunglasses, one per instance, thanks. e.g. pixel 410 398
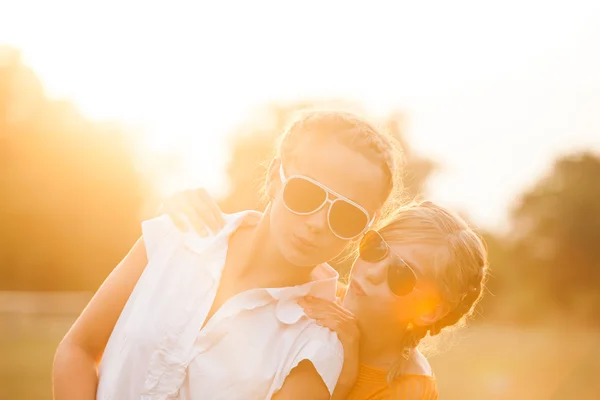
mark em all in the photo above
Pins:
pixel 401 278
pixel 304 196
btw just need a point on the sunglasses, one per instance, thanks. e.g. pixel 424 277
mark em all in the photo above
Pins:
pixel 304 196
pixel 401 278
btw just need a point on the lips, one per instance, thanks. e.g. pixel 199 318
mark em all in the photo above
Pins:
pixel 303 243
pixel 357 288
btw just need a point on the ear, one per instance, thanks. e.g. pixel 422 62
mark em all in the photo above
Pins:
pixel 431 317
pixel 272 181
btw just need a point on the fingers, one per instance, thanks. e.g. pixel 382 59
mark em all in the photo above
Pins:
pixel 176 219
pixel 333 306
pixel 345 328
pixel 197 207
pixel 328 313
pixel 208 210
pixel 322 314
pixel 174 208
pixel 331 324
pixel 332 321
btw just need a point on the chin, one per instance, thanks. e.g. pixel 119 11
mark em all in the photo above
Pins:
pixel 299 260
pixel 294 256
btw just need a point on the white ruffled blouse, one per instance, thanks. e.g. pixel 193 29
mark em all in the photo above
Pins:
pixel 159 349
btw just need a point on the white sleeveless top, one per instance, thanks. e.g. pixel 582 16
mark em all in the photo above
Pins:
pixel 159 350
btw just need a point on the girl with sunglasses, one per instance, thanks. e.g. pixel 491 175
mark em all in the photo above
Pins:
pixel 422 272
pixel 190 317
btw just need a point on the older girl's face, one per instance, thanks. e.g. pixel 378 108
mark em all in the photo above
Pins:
pixel 372 301
pixel 307 240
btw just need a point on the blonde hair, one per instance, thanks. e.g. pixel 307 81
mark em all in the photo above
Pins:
pixel 460 279
pixel 352 131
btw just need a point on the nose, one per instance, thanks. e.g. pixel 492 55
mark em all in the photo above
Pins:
pixel 376 272
pixel 317 222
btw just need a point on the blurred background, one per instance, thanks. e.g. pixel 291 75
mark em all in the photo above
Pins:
pixel 107 107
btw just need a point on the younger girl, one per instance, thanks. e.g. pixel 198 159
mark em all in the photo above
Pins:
pixel 422 272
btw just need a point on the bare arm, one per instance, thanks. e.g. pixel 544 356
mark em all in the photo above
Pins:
pixel 303 383
pixel 74 372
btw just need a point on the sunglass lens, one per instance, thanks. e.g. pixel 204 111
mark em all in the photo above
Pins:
pixel 372 247
pixel 346 220
pixel 303 196
pixel 401 278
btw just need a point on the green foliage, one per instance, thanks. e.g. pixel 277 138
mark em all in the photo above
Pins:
pixel 549 263
pixel 70 194
pixel 557 230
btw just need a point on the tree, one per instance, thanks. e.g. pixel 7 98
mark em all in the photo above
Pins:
pixel 70 193
pixel 556 236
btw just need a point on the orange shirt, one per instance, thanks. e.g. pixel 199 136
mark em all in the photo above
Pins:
pixel 371 384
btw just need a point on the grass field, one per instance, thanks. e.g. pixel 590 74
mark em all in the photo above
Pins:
pixel 501 363
pixel 487 362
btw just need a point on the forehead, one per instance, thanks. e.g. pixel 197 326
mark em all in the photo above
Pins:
pixel 343 170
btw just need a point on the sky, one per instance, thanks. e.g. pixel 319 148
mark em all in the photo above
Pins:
pixel 493 91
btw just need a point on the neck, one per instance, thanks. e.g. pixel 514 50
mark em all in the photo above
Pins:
pixel 380 347
pixel 266 264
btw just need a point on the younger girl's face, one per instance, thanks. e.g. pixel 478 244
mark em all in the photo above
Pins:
pixel 372 301
pixel 307 240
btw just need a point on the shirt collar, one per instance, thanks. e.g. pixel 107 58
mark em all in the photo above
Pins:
pixel 193 241
pixel 323 283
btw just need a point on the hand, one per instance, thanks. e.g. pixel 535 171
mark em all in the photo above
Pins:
pixel 198 207
pixel 332 315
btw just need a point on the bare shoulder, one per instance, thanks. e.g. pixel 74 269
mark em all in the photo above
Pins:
pixel 303 382
pixel 417 382
pixel 95 324
pixel 418 364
